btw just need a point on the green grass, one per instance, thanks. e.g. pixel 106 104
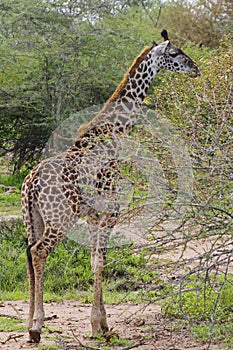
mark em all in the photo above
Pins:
pixel 12 259
pixel 13 295
pixel 48 347
pixel 11 325
pixel 219 333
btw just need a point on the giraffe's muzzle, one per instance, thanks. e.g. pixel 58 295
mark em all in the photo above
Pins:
pixel 194 71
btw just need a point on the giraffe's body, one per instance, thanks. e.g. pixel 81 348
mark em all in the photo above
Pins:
pixel 82 182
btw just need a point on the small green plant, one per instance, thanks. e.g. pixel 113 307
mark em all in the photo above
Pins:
pixel 206 310
pixel 120 342
pixel 47 347
pixel 217 332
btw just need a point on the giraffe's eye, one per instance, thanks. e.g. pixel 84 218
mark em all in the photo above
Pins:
pixel 173 54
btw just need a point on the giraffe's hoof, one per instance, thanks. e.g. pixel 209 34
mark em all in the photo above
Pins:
pixel 104 329
pixel 101 330
pixel 108 335
pixel 34 336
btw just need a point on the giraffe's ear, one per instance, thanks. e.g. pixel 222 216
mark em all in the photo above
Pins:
pixel 165 46
pixel 164 34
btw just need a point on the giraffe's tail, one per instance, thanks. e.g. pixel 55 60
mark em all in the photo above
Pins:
pixel 29 259
pixel 27 205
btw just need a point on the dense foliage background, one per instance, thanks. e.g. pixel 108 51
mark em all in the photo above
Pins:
pixel 58 57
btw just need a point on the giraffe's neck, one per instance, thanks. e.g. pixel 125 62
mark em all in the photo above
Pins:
pixel 118 114
pixel 138 83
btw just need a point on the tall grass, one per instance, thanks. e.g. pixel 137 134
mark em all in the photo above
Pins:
pixel 12 179
pixel 68 267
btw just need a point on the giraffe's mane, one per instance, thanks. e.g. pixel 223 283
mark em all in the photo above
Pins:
pixel 129 73
pixel 84 127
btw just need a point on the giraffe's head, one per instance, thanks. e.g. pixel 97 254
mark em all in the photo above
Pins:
pixel 168 56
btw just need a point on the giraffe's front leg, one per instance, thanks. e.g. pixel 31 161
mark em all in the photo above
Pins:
pixel 103 319
pixel 100 227
pixel 98 313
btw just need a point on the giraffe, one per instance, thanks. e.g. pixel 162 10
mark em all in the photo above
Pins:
pixel 82 182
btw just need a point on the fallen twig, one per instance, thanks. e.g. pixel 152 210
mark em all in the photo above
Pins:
pixel 11 316
pixel 83 345
pixel 16 310
pixel 12 336
pixel 88 347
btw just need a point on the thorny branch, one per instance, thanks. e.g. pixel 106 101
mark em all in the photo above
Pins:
pixel 155 22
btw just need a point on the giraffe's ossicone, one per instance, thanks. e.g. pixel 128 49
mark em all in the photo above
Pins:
pixel 84 181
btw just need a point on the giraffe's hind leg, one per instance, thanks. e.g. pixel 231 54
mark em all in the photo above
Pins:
pixel 36 310
pixel 31 277
pixel 35 232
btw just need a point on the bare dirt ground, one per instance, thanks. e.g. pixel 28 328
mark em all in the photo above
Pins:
pixel 67 326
